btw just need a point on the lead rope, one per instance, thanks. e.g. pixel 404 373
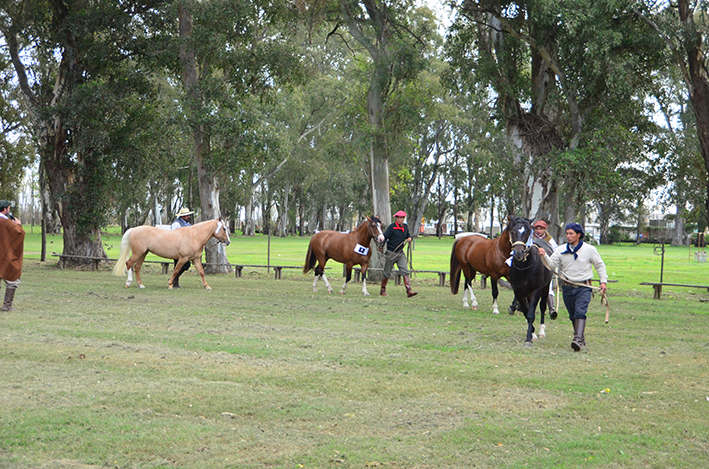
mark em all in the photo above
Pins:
pixel 604 295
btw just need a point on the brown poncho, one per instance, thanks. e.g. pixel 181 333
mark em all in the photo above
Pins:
pixel 12 245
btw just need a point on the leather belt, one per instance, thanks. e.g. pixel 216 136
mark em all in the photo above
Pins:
pixel 582 283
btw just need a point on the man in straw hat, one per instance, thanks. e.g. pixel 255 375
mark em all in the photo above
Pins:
pixel 12 247
pixel 183 219
pixel 575 260
pixel 396 236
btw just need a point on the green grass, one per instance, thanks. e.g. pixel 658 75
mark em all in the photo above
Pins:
pixel 262 373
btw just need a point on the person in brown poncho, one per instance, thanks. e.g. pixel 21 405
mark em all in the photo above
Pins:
pixel 12 245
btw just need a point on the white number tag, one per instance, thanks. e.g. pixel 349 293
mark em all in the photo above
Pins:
pixel 359 249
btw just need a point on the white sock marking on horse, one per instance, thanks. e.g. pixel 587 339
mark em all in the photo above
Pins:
pixel 364 287
pixel 129 281
pixel 344 287
pixel 329 287
pixel 473 300
pixel 542 331
pixel 494 307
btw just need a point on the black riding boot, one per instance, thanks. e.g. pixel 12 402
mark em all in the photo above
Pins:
pixel 9 297
pixel 579 337
pixel 552 311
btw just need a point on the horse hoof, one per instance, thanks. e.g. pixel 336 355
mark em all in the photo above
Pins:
pixel 366 294
pixel 542 336
pixel 127 285
pixel 315 290
pixel 474 308
pixel 534 337
pixel 553 314
pixel 527 344
pixel 208 288
pixel 142 286
pixel 495 312
pixel 511 311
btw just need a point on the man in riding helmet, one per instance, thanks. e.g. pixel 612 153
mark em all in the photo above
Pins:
pixel 396 236
pixel 183 219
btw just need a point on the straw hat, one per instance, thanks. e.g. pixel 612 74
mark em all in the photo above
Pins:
pixel 184 211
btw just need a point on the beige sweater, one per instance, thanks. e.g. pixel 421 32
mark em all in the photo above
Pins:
pixel 579 269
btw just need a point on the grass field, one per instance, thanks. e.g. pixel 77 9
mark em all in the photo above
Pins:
pixel 262 373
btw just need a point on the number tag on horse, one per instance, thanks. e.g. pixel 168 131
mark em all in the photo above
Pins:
pixel 359 249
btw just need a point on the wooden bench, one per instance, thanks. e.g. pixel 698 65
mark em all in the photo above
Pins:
pixel 658 287
pixel 277 269
pixel 397 275
pixel 95 261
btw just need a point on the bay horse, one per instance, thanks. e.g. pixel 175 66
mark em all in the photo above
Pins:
pixel 476 253
pixel 348 248
pixel 529 277
pixel 184 244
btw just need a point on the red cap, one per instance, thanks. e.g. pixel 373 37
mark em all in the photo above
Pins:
pixel 400 213
pixel 540 223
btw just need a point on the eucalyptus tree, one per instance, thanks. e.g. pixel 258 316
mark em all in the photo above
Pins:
pixel 395 35
pixel 82 71
pixel 684 28
pixel 421 116
pixel 680 159
pixel 16 152
pixel 553 68
pixel 230 53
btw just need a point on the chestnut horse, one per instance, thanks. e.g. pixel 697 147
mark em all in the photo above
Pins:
pixel 348 248
pixel 184 244
pixel 476 253
pixel 529 276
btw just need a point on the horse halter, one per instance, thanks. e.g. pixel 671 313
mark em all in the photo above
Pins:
pixel 526 248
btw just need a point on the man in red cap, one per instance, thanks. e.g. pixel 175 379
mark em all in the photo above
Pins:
pixel 540 232
pixel 396 236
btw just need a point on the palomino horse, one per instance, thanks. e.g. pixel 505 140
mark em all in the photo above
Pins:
pixel 349 248
pixel 184 244
pixel 529 276
pixel 476 253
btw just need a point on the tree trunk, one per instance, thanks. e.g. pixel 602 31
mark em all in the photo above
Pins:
pixel 216 257
pixel 698 84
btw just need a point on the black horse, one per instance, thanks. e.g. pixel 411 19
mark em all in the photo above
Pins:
pixel 529 276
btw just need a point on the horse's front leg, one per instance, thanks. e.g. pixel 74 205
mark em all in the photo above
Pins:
pixel 530 328
pixel 176 270
pixel 542 310
pixel 495 292
pixel 348 277
pixel 364 281
pixel 198 265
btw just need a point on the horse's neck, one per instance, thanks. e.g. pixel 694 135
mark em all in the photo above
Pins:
pixel 362 234
pixel 206 230
pixel 503 241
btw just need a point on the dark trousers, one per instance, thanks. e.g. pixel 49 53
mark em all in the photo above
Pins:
pixel 576 300
pixel 185 268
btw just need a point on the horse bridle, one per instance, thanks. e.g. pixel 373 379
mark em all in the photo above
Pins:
pixel 513 244
pixel 376 237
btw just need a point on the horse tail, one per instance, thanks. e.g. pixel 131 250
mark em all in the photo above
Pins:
pixel 455 271
pixel 310 260
pixel 120 269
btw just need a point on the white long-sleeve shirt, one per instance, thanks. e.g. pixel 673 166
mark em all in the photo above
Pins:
pixel 581 268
